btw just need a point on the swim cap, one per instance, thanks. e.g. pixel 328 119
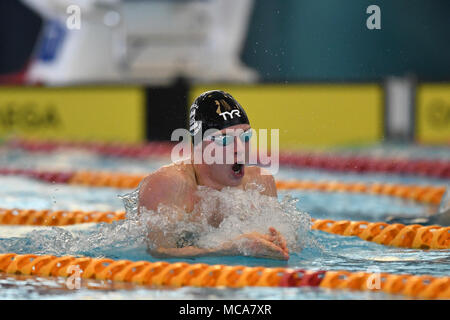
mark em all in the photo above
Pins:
pixel 215 110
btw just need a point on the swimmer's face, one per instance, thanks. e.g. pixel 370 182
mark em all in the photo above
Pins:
pixel 231 147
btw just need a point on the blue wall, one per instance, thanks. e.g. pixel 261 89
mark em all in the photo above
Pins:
pixel 327 40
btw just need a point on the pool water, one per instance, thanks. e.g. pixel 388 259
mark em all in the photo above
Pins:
pixel 323 251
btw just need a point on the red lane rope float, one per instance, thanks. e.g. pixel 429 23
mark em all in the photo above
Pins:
pixel 302 278
pixel 398 235
pixel 181 274
pixel 333 162
pixel 47 176
pixel 359 164
pixel 424 194
pixel 149 149
pixel 86 178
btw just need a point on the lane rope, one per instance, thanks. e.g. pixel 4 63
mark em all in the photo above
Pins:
pixel 398 235
pixel 139 151
pixel 364 164
pixel 56 218
pixel 322 161
pixel 182 274
pixel 420 193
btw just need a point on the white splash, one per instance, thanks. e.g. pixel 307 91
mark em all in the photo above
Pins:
pixel 235 212
pixel 240 212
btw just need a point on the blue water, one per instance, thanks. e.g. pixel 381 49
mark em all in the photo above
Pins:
pixel 326 252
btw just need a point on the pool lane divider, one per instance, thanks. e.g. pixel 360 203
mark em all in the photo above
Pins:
pixel 398 235
pixel 32 217
pixel 323 161
pixel 419 193
pixel 120 150
pixel 181 274
pixel 365 164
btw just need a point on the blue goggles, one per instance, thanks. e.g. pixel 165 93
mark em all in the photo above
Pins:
pixel 225 140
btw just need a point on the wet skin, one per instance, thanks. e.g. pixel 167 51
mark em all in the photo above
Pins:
pixel 175 186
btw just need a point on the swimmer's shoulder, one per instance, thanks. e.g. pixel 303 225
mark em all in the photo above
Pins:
pixel 182 172
pixel 170 184
pixel 172 174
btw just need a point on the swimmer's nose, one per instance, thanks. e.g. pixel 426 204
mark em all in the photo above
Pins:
pixel 240 151
pixel 239 146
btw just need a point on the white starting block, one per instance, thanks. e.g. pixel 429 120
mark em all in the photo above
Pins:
pixel 153 41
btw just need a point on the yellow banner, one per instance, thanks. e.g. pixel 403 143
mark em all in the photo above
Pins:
pixel 77 113
pixel 433 113
pixel 318 115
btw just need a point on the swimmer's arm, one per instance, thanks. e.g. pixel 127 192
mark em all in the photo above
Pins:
pixel 191 251
pixel 264 246
pixel 163 187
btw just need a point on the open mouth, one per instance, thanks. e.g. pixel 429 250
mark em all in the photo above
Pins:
pixel 238 169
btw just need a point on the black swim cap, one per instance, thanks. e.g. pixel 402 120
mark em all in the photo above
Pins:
pixel 215 110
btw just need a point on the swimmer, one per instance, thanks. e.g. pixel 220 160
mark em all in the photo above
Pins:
pixel 440 217
pixel 175 185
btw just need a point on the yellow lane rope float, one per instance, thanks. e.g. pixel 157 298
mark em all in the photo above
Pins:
pixel 398 235
pixel 202 275
pixel 420 193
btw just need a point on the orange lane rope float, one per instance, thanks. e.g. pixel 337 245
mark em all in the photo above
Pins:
pixel 56 218
pixel 398 235
pixel 181 274
pixel 423 194
pixel 105 179
pixel 405 236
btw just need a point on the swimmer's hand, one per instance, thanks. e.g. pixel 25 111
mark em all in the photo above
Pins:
pixel 272 245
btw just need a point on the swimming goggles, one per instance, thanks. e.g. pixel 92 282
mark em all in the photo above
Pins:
pixel 225 140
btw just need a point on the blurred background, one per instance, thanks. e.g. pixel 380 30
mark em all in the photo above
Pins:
pixel 326 73
pixel 91 91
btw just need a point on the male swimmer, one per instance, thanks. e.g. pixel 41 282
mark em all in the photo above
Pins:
pixel 176 185
pixel 440 217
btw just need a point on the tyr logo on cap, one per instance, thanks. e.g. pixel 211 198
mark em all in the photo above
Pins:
pixel 229 111
pixel 224 114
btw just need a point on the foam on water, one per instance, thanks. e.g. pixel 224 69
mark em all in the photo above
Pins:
pixel 224 215
pixel 242 212
pixel 92 241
